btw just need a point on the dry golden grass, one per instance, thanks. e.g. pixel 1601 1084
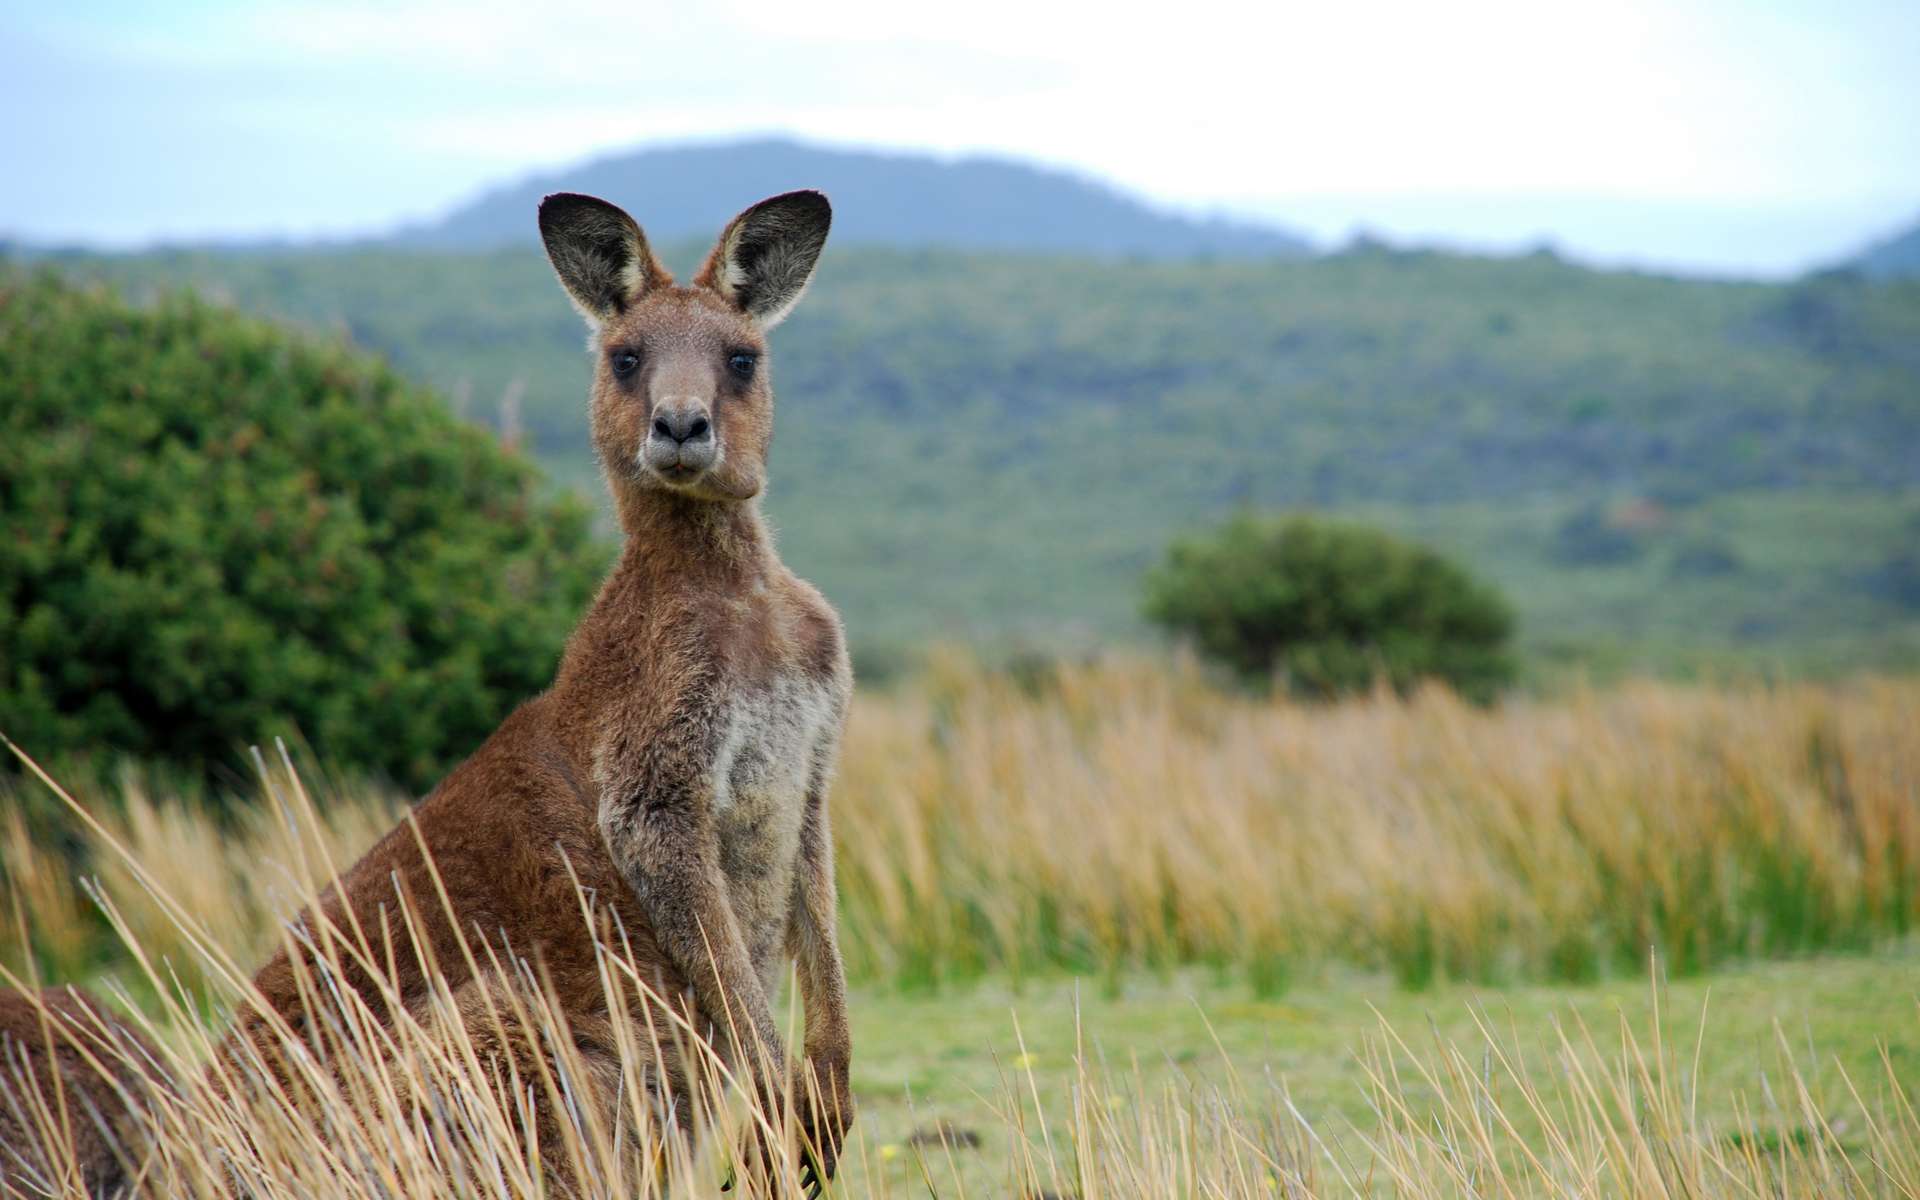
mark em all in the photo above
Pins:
pixel 1128 813
pixel 422 1109
pixel 1123 813
pixel 234 881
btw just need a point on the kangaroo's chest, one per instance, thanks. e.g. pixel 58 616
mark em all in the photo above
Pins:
pixel 771 738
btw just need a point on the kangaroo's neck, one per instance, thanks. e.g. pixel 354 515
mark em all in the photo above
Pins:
pixel 684 561
pixel 675 543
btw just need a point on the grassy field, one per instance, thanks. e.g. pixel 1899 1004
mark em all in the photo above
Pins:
pixel 1782 1079
pixel 966 1060
pixel 1124 815
pixel 1130 814
pixel 1121 933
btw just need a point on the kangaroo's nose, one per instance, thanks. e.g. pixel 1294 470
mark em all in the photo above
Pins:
pixel 681 426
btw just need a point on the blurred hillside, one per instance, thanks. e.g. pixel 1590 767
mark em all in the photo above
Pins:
pixel 1659 472
pixel 975 203
pixel 1894 257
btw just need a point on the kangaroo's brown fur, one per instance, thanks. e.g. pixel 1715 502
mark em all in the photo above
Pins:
pixel 68 1064
pixel 678 766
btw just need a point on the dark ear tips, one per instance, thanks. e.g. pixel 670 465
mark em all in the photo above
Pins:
pixel 598 251
pixel 555 205
pixel 767 254
pixel 561 212
pixel 808 201
pixel 805 212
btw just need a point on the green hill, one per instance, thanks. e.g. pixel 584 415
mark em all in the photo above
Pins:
pixel 1659 471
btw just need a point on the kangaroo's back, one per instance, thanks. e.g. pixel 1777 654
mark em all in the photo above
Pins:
pixel 74 1081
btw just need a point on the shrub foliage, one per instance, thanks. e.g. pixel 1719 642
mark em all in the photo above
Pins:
pixel 213 531
pixel 1329 607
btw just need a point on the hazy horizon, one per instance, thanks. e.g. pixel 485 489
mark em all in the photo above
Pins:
pixel 1699 138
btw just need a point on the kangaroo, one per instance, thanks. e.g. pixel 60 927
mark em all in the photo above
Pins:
pixel 678 766
pixel 73 1081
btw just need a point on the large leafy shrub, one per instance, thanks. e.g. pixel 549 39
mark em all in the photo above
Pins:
pixel 213 530
pixel 1329 607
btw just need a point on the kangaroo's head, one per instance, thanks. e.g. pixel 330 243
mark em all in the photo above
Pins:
pixel 681 395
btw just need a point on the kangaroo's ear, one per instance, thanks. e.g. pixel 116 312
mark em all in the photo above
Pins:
pixel 599 253
pixel 766 256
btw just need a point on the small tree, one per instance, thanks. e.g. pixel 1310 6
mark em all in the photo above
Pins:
pixel 1329 607
pixel 214 530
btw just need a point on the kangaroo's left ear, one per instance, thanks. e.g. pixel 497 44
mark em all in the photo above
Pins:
pixel 765 257
pixel 599 253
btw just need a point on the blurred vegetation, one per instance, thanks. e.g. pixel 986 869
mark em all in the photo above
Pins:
pixel 999 447
pixel 1329 607
pixel 213 531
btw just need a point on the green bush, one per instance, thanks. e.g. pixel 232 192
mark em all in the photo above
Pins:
pixel 1328 607
pixel 214 531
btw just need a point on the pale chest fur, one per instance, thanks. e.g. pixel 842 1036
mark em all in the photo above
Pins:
pixel 773 739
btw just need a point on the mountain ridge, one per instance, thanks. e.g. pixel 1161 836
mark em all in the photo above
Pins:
pixel 881 198
pixel 1896 256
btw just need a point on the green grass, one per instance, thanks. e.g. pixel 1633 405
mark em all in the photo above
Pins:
pixel 955 1056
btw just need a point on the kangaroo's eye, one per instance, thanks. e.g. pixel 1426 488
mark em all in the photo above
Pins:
pixel 623 362
pixel 742 365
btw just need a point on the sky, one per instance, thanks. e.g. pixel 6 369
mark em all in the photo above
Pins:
pixel 1737 137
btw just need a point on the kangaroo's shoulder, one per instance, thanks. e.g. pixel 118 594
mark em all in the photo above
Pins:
pixel 814 632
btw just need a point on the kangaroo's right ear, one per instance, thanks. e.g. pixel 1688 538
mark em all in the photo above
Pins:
pixel 767 254
pixel 599 253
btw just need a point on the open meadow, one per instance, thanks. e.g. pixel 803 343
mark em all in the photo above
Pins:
pixel 750 602
pixel 1116 931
